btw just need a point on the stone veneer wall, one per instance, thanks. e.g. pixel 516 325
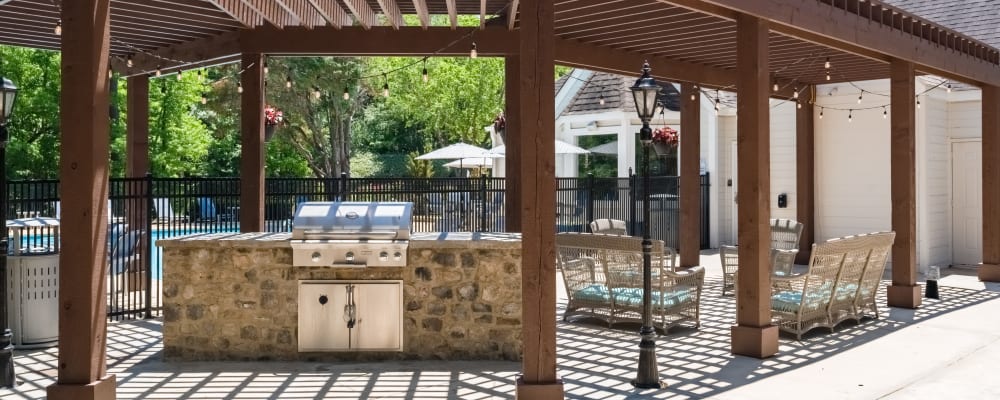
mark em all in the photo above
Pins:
pixel 238 300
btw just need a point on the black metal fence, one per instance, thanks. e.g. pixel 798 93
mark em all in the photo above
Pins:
pixel 182 206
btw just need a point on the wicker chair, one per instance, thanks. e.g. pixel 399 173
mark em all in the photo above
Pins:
pixel 608 226
pixel 785 235
pixel 835 286
pixel 603 278
pixel 781 262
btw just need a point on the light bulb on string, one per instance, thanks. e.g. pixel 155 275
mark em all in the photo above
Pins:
pixel 795 93
pixel 111 73
pixel 288 82
pixel 821 113
pixel 798 104
pixel 58 28
pixel 828 75
pixel 775 87
pixel 128 61
pixel 859 97
pixel 158 71
pixel 918 102
pixel 198 74
pixel 266 69
pixel 827 63
pixel 239 87
pixel 717 105
pixel 204 98
pixel 693 97
pixel 850 116
pixel 948 87
pixel 347 95
pixel 316 93
pixel 385 87
pixel 424 75
pixel 885 113
pixel 600 99
pixel 180 74
pixel 473 53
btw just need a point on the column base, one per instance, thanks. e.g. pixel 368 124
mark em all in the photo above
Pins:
pixel 102 389
pixel 903 296
pixel 539 391
pixel 989 273
pixel 751 341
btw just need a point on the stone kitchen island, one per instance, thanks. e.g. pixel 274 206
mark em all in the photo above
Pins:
pixel 232 296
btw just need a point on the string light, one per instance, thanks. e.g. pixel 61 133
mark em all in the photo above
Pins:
pixel 180 74
pixel 473 53
pixel 795 94
pixel 827 75
pixel 850 116
pixel 600 99
pixel 827 63
pixel 775 87
pixel 58 29
pixel 798 104
pixel 204 98
pixel 288 82
pixel 111 73
pixel 128 62
pixel 198 74
pixel 885 113
pixel 385 87
pixel 821 113
pixel 859 97
pixel 717 102
pixel 918 101
pixel 266 69
pixel 158 71
pixel 347 95
pixel 693 97
pixel 425 77
pixel 316 93
pixel 239 87
pixel 949 88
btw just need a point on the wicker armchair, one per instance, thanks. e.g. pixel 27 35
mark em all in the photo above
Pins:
pixel 608 226
pixel 841 279
pixel 785 235
pixel 603 278
pixel 781 262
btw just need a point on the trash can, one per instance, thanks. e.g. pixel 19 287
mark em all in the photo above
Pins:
pixel 33 281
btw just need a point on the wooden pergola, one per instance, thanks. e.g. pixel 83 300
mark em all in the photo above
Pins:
pixel 746 46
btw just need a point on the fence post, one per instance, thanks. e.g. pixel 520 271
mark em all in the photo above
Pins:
pixel 148 245
pixel 344 194
pixel 482 199
pixel 631 202
pixel 590 197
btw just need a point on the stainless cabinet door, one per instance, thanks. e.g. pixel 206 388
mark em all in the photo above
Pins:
pixel 322 327
pixel 380 317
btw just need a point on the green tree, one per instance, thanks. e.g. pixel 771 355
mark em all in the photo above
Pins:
pixel 33 147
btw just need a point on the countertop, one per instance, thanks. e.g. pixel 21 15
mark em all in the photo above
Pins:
pixel 423 240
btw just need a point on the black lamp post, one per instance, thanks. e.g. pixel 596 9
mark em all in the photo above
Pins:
pixel 644 92
pixel 8 92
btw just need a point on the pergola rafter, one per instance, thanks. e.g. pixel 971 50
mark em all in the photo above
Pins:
pixel 391 11
pixel 362 12
pixel 332 12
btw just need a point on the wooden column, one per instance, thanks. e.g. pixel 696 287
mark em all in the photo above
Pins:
pixel 83 171
pixel 690 190
pixel 753 335
pixel 512 139
pixel 537 125
pixel 252 144
pixel 804 177
pixel 990 270
pixel 137 151
pixel 904 291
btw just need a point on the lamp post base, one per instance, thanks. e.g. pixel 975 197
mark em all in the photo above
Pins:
pixel 7 378
pixel 648 374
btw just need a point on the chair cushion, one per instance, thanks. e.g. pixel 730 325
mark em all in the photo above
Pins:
pixel 632 297
pixel 847 291
pixel 790 301
pixel 593 293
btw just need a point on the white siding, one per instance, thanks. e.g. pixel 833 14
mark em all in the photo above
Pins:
pixel 933 184
pixel 965 119
pixel 727 133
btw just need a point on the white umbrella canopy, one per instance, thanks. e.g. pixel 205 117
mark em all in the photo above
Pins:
pixel 610 148
pixel 456 151
pixel 561 148
pixel 471 163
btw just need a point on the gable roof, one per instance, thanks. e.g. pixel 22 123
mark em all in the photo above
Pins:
pixel 614 89
pixel 979 19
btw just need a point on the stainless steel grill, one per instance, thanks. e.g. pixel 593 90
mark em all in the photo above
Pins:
pixel 351 234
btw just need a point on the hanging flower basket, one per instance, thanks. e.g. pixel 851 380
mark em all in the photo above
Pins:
pixel 272 117
pixel 665 141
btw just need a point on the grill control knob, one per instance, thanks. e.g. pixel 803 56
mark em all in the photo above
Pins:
pixel 398 256
pixel 383 256
pixel 349 256
pixel 315 256
pixel 323 299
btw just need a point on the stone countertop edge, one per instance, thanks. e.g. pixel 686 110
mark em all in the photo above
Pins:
pixel 423 240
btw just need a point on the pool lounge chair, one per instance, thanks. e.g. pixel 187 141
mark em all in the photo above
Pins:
pixel 164 212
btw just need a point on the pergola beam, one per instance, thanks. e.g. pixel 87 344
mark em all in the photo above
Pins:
pixel 377 41
pixel 331 12
pixel 240 11
pixel 452 13
pixel 271 12
pixel 196 53
pixel 422 13
pixel 512 14
pixel 362 12
pixel 872 36
pixel 392 14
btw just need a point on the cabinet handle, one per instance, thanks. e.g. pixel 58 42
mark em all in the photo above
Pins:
pixel 350 309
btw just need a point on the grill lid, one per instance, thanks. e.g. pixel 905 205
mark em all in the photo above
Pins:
pixel 352 220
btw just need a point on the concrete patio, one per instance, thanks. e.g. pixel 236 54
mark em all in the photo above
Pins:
pixel 945 348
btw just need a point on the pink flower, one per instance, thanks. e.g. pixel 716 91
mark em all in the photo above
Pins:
pixel 666 136
pixel 272 116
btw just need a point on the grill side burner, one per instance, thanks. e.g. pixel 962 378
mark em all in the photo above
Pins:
pixel 351 234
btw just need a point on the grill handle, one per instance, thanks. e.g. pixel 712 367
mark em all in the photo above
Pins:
pixel 348 235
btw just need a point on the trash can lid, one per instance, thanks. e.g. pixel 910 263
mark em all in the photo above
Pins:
pixel 32 222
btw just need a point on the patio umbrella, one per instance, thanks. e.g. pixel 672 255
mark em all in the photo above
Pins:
pixel 471 163
pixel 455 151
pixel 610 148
pixel 561 148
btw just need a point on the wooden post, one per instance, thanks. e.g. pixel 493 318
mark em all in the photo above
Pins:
pixel 690 190
pixel 512 141
pixel 83 171
pixel 804 176
pixel 252 140
pixel 536 122
pixel 753 335
pixel 990 270
pixel 137 151
pixel 904 291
